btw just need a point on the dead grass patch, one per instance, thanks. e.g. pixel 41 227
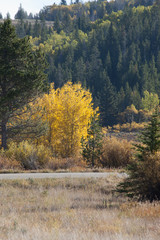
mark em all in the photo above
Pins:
pixel 69 209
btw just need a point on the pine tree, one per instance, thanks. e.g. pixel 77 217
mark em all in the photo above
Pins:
pixel 36 29
pixel 94 68
pixel 108 101
pixel 80 71
pixel 20 29
pixel 21 74
pixel 143 182
pixel 63 2
pixel 57 24
pixel 92 146
pixel 21 14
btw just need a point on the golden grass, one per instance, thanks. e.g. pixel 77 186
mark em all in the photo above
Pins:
pixel 73 209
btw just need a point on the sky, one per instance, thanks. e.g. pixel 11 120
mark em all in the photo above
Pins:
pixel 33 6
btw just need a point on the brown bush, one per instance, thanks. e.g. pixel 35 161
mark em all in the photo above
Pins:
pixel 9 163
pixel 64 163
pixel 116 152
pixel 29 156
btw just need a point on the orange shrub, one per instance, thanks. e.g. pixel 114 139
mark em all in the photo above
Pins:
pixel 9 163
pixel 65 163
pixel 116 152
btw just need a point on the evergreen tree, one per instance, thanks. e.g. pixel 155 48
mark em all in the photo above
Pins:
pixel 94 67
pixel 20 29
pixel 67 22
pixel 128 92
pixel 92 146
pixel 57 25
pixel 59 79
pixel 143 182
pixel 63 2
pixel 144 79
pixel 108 65
pixel 21 74
pixel 29 30
pixel 113 47
pixel 121 100
pixel 36 29
pixel 43 30
pixel 154 81
pixel 30 16
pixel 8 16
pixel 21 14
pixel 108 101
pixel 80 72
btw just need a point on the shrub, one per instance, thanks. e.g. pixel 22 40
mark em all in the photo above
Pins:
pixel 129 127
pixel 116 152
pixel 64 163
pixel 30 156
pixel 8 163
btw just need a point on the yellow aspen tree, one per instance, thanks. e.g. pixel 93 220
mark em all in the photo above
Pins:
pixel 68 111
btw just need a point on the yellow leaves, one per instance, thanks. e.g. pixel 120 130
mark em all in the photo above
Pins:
pixel 105 23
pixel 56 41
pixel 150 101
pixel 68 111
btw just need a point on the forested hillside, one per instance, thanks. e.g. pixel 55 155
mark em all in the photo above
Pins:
pixel 111 48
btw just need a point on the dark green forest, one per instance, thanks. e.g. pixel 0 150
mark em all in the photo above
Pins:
pixel 112 48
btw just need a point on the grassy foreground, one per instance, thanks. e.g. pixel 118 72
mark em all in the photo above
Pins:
pixel 73 209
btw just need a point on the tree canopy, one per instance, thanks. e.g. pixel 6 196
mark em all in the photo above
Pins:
pixel 68 112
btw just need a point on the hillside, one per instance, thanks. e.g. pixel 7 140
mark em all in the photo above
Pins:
pixel 112 48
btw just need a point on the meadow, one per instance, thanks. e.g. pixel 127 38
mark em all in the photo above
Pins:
pixel 74 209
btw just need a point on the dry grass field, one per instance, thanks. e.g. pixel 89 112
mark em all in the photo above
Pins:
pixel 73 209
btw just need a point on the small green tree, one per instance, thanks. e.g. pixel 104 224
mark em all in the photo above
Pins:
pixel 92 146
pixel 143 182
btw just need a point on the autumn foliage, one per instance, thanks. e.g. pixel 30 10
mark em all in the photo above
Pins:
pixel 68 112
